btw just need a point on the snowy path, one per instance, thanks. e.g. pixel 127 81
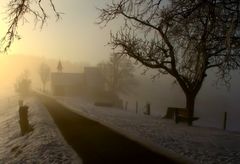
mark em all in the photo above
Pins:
pixel 43 145
pixel 97 144
pixel 203 145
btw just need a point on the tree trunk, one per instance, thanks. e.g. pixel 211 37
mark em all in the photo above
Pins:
pixel 190 102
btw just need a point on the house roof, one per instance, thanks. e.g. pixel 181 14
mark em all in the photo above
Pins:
pixel 91 70
pixel 59 78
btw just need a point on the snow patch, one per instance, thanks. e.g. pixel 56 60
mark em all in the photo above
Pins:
pixel 202 145
pixel 43 145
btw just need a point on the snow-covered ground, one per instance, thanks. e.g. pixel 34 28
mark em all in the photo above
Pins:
pixel 43 145
pixel 202 145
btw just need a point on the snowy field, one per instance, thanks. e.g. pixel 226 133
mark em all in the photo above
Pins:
pixel 43 145
pixel 201 145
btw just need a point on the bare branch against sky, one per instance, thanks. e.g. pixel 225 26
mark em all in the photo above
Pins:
pixel 17 11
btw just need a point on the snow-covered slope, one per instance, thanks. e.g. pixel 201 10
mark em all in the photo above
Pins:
pixel 203 145
pixel 43 145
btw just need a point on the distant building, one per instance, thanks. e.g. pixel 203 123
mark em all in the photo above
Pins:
pixel 72 84
pixel 66 83
pixel 93 79
pixel 89 84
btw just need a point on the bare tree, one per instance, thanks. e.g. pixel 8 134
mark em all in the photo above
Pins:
pixel 44 72
pixel 17 11
pixel 178 37
pixel 118 73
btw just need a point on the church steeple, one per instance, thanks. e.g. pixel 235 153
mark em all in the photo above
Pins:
pixel 59 67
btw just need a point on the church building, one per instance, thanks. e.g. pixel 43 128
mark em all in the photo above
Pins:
pixel 75 84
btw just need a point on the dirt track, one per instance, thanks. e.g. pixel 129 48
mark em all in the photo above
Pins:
pixel 97 144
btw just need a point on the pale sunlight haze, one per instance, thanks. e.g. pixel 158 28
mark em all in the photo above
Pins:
pixel 75 37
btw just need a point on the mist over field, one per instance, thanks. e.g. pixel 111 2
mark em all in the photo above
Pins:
pixel 161 92
pixel 14 65
pixel 211 103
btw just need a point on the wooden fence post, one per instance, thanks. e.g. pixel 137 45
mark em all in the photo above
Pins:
pixel 225 121
pixel 126 105
pixel 148 109
pixel 136 107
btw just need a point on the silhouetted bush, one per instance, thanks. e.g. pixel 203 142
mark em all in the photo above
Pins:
pixel 23 84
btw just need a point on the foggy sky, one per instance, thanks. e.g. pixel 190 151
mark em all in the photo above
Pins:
pixel 75 37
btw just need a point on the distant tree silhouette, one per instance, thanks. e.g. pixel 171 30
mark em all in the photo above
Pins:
pixel 17 10
pixel 44 72
pixel 181 38
pixel 23 84
pixel 118 73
